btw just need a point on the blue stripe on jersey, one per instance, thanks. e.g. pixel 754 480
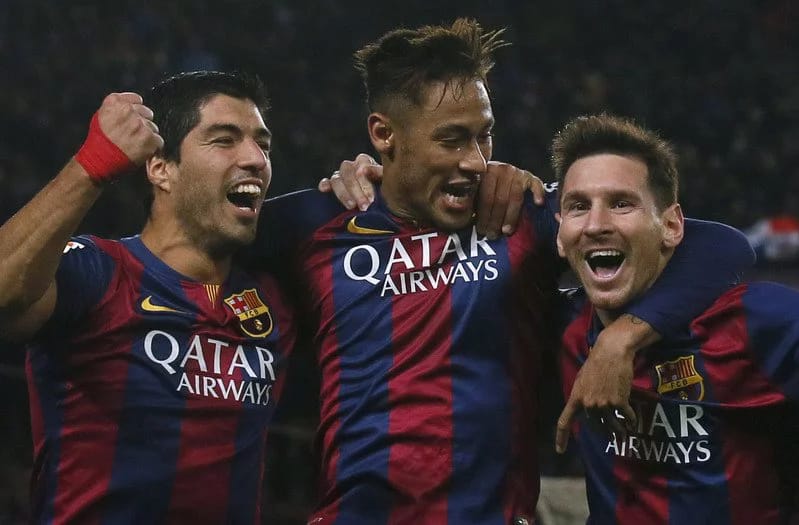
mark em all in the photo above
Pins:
pixel 364 366
pixel 598 466
pixel 709 506
pixel 147 442
pixel 480 384
pixel 45 376
pixel 771 321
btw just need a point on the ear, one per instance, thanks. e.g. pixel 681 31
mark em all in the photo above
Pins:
pixel 381 133
pixel 158 173
pixel 673 226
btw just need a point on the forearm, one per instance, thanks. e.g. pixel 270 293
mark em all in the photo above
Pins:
pixel 628 334
pixel 32 241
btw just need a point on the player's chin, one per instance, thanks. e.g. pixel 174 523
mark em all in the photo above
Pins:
pixel 605 298
pixel 242 234
pixel 452 222
pixel 450 219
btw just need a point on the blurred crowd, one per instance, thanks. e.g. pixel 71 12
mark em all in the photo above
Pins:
pixel 720 78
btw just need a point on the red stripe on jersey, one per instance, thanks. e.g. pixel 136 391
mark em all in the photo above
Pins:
pixel 37 419
pixel 420 407
pixel 203 473
pixel 330 370
pixel 734 375
pixel 528 307
pixel 639 495
pixel 87 422
pixel 752 480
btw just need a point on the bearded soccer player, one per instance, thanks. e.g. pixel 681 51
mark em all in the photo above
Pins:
pixel 156 360
pixel 715 434
pixel 429 335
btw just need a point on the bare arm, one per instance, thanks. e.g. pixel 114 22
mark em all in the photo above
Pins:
pixel 33 240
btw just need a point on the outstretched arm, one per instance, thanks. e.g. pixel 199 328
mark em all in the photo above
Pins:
pixel 121 135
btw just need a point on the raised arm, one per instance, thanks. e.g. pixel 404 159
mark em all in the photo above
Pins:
pixel 120 136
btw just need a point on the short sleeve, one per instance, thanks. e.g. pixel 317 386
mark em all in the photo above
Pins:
pixel 82 279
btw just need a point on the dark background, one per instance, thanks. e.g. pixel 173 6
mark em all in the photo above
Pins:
pixel 720 78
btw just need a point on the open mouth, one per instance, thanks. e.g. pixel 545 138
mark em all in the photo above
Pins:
pixel 605 263
pixel 245 196
pixel 459 193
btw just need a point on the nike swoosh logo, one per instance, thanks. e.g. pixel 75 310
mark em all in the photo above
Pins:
pixel 354 228
pixel 148 306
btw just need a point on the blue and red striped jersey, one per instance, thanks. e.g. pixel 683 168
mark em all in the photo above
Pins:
pixel 717 423
pixel 429 346
pixel 151 392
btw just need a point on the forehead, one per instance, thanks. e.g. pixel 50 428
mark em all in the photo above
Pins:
pixel 606 172
pixel 224 109
pixel 457 102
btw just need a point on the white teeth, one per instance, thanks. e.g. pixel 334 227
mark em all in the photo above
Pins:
pixel 605 253
pixel 250 189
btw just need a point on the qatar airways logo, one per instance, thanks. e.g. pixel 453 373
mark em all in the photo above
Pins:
pixel 217 369
pixel 678 436
pixel 401 273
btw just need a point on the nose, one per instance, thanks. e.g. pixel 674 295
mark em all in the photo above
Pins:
pixel 598 221
pixel 474 160
pixel 251 156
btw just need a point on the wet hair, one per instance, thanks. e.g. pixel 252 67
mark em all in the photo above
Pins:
pixel 400 65
pixel 595 134
pixel 177 100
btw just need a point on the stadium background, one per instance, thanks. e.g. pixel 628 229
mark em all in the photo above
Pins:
pixel 718 77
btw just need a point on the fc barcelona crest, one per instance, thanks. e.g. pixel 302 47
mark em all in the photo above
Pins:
pixel 680 378
pixel 254 317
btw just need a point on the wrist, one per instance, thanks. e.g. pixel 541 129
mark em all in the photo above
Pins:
pixel 623 342
pixel 100 158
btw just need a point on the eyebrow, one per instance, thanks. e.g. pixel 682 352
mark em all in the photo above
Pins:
pixel 613 194
pixel 460 129
pixel 261 133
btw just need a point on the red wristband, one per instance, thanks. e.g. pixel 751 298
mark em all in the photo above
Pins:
pixel 101 158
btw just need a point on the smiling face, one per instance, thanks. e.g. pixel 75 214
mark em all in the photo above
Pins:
pixel 434 154
pixel 612 232
pixel 219 184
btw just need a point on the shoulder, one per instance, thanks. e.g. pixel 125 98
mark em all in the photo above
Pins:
pixel 294 216
pixel 305 203
pixel 762 296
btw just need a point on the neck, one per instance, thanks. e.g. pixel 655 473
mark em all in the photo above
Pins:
pixel 170 243
pixel 607 317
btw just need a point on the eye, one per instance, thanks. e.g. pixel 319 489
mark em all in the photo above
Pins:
pixel 486 137
pixel 265 146
pixel 451 142
pixel 622 205
pixel 223 141
pixel 576 206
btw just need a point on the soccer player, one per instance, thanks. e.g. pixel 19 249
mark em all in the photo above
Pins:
pixel 715 434
pixel 157 359
pixel 429 336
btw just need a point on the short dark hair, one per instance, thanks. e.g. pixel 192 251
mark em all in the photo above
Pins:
pixel 594 134
pixel 176 102
pixel 401 63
